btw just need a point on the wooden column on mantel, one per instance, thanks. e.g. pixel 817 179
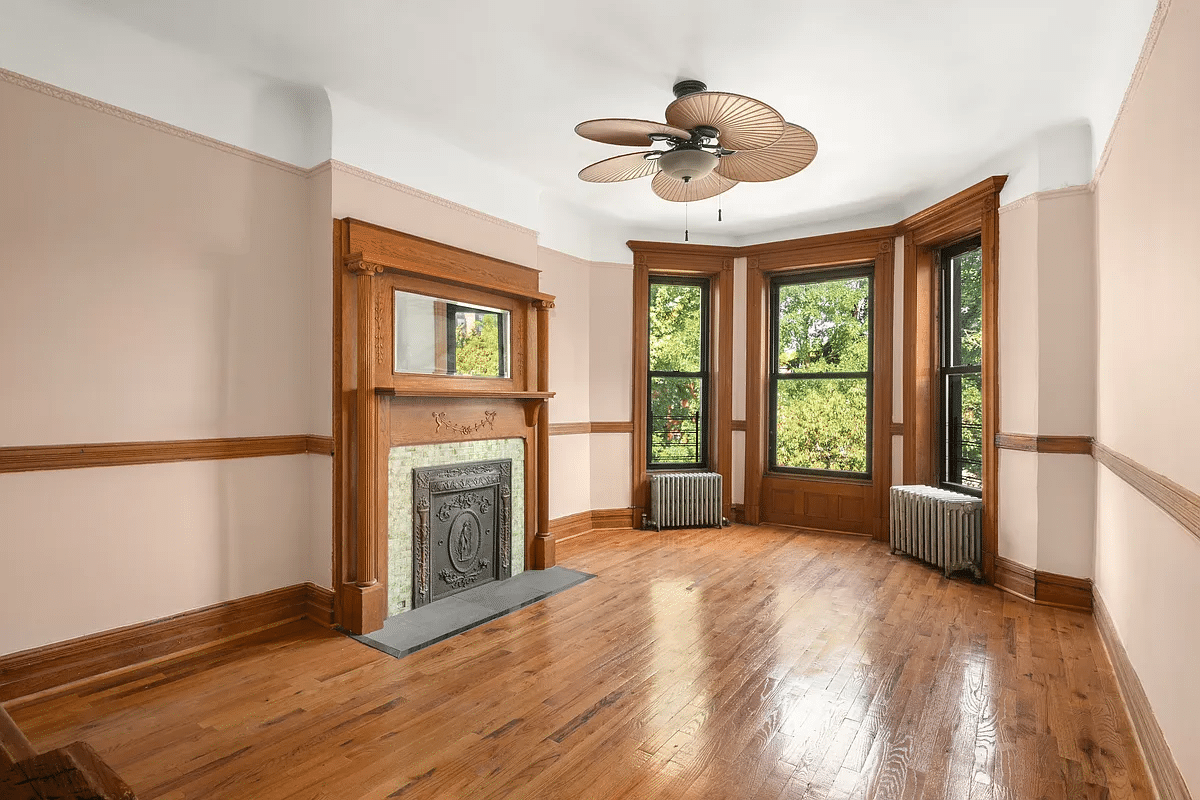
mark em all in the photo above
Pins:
pixel 377 408
pixel 543 543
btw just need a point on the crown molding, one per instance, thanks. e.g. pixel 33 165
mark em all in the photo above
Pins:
pixel 677 248
pixel 885 232
pixel 1048 194
pixel 359 172
pixel 583 262
pixel 1156 25
pixel 84 101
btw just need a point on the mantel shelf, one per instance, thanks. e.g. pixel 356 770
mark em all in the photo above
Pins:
pixel 466 394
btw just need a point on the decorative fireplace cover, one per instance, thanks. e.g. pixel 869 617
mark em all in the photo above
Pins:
pixel 462 527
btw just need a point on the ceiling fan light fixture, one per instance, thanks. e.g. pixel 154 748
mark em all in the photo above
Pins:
pixel 687 164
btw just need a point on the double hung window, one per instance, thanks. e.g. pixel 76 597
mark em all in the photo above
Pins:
pixel 821 372
pixel 961 267
pixel 678 385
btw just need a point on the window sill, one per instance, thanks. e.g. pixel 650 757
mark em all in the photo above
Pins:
pixel 803 476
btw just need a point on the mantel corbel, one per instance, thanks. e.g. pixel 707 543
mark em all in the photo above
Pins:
pixel 356 265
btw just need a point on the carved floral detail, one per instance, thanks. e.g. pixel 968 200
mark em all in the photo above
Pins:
pixel 441 420
pixel 381 326
pixel 464 501
pixel 421 542
pixel 457 580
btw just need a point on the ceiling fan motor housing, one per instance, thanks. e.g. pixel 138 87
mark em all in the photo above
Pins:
pixel 687 163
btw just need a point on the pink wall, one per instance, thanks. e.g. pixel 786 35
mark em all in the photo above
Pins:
pixel 1047 378
pixel 153 286
pixel 1148 374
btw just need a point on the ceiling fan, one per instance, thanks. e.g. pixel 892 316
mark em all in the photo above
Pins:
pixel 714 141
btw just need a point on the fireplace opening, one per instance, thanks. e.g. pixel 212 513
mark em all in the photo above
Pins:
pixel 462 527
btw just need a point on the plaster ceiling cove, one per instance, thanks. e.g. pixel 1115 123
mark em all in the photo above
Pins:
pixel 902 97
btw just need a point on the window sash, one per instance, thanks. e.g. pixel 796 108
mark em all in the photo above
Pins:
pixel 952 436
pixel 810 277
pixel 701 376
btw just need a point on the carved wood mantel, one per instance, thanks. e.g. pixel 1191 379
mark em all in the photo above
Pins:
pixel 376 408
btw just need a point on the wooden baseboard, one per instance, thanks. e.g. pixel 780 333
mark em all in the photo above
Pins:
pixel 318 604
pixel 737 513
pixel 1063 591
pixel 569 527
pixel 1043 588
pixel 54 665
pixel 1156 753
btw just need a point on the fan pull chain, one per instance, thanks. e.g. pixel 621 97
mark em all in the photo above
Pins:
pixel 685 220
pixel 719 208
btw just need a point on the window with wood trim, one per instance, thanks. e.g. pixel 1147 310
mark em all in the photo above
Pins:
pixel 961 367
pixel 821 372
pixel 678 386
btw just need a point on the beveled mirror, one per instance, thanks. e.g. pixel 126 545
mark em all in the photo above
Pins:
pixel 435 336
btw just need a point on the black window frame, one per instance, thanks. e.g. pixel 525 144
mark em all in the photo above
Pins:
pixel 453 309
pixel 705 376
pixel 947 441
pixel 820 276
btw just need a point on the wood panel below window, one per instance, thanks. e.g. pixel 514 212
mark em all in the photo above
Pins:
pixel 828 505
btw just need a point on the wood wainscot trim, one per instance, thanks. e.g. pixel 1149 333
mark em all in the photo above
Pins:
pixel 1179 502
pixel 584 522
pixel 829 503
pixel 569 428
pixel 1033 443
pixel 1156 753
pixel 319 445
pixel 52 666
pixel 39 458
pixel 739 425
pixel 1043 588
pixel 612 427
pixel 972 212
pixel 700 261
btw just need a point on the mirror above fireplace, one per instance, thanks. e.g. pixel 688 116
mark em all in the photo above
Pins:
pixel 436 336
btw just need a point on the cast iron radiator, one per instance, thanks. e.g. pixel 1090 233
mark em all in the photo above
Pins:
pixel 938 526
pixel 684 500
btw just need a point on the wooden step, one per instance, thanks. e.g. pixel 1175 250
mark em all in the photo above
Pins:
pixel 14 746
pixel 74 772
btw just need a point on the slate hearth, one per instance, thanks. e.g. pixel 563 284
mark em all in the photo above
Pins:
pixel 414 630
pixel 462 528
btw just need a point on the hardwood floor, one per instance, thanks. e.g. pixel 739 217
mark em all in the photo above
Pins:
pixel 743 663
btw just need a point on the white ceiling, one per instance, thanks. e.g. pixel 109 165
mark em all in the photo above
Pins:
pixel 902 96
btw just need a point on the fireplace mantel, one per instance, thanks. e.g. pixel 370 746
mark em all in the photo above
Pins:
pixel 376 408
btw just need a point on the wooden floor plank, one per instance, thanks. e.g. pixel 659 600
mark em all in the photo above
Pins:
pixel 750 662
